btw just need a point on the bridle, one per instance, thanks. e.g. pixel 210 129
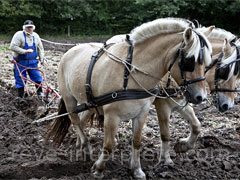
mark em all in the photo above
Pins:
pixel 187 64
pixel 222 72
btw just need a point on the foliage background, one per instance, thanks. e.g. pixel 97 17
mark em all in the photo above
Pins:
pixel 105 17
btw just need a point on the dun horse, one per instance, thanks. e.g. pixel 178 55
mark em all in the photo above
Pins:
pixel 221 77
pixel 150 50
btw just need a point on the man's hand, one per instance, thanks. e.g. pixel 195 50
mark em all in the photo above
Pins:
pixel 28 51
pixel 43 61
pixel 12 61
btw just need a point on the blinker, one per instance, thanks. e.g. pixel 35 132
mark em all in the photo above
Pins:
pixel 187 64
pixel 200 57
pixel 237 68
pixel 223 72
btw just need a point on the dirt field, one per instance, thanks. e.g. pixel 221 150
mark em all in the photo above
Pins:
pixel 25 155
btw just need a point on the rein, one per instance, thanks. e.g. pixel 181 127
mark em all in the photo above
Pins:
pixel 125 94
pixel 128 94
pixel 93 102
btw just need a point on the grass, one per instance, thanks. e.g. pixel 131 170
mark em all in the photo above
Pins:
pixel 5 38
pixel 64 38
pixel 4 47
pixel 76 38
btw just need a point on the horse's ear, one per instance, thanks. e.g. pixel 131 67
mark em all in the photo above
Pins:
pixel 209 30
pixel 187 35
pixel 237 42
pixel 226 47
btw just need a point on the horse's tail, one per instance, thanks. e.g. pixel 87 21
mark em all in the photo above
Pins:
pixel 59 128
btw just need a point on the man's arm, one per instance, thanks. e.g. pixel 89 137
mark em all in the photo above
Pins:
pixel 40 49
pixel 16 44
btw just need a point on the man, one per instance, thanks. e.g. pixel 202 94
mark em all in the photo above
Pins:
pixel 28 51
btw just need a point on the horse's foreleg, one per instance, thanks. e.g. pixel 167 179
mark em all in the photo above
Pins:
pixel 185 144
pixel 111 122
pixel 163 113
pixel 135 165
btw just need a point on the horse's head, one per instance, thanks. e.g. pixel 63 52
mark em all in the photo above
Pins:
pixel 227 71
pixel 194 55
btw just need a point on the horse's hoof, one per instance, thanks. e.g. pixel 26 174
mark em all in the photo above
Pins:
pixel 168 162
pixel 165 162
pixel 96 174
pixel 182 146
pixel 139 174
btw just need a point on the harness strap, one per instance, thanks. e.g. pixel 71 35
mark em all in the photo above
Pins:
pixel 171 65
pixel 225 90
pixel 88 88
pixel 214 62
pixel 129 62
pixel 115 96
pixel 121 95
pixel 188 82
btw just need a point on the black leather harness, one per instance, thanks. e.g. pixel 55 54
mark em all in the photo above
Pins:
pixel 187 64
pixel 125 94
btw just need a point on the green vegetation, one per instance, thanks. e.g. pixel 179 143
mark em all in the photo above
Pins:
pixel 94 17
pixel 4 47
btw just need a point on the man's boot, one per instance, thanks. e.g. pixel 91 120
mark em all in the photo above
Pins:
pixel 20 92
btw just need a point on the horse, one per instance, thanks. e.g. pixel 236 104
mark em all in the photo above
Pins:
pixel 152 48
pixel 221 78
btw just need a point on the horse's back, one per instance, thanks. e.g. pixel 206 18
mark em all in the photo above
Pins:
pixel 73 67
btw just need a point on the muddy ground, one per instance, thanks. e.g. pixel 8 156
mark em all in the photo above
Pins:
pixel 25 155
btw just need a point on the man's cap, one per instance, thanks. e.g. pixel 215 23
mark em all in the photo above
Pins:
pixel 28 23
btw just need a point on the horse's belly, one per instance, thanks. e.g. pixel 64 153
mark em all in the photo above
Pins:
pixel 129 109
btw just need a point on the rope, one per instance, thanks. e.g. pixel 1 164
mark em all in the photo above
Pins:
pixel 63 44
pixel 122 61
pixel 48 88
pixel 125 63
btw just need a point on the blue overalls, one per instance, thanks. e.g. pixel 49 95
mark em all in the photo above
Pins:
pixel 28 60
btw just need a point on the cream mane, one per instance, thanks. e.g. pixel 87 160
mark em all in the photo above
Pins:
pixel 230 61
pixel 218 33
pixel 170 25
pixel 158 26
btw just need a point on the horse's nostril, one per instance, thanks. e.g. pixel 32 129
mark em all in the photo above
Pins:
pixel 199 98
pixel 225 107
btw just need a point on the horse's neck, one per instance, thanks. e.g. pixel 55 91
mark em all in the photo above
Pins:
pixel 217 45
pixel 210 77
pixel 155 54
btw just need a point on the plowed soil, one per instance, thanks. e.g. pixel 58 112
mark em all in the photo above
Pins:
pixel 25 155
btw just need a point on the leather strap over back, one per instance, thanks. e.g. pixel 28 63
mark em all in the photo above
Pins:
pixel 129 62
